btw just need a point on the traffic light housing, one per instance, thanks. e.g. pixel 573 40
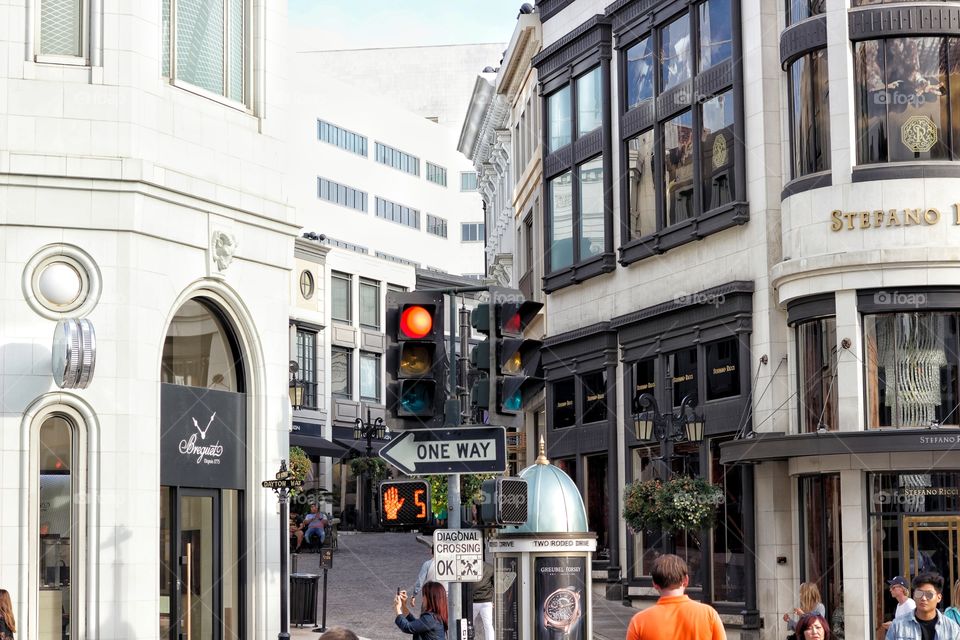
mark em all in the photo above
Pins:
pixel 504 501
pixel 509 361
pixel 416 361
pixel 404 503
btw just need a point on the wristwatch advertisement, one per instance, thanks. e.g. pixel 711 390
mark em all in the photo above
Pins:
pixel 560 587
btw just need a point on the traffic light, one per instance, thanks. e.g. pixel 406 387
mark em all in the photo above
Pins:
pixel 404 503
pixel 504 501
pixel 416 360
pixel 509 361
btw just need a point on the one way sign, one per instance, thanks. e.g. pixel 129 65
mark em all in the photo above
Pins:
pixel 420 452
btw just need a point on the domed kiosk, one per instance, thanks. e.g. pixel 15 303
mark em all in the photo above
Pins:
pixel 543 583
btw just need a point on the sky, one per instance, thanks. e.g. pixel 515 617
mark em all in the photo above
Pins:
pixel 361 24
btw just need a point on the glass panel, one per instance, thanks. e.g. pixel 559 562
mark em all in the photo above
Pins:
pixel 871 98
pixel 594 393
pixel 722 368
pixel 165 38
pixel 917 107
pixel 821 536
pixel 197 573
pixel 61 22
pixel 564 411
pixel 817 371
pixel 200 46
pixel 168 568
pixel 56 528
pixel 728 547
pixel 684 374
pixel 235 55
pixel 810 113
pixel 716 33
pixel 231 563
pixel 589 102
pixel 591 208
pixel 340 372
pixel 717 147
pixel 675 52
pixel 645 378
pixel 646 544
pixel 641 155
pixel 370 304
pixel 798 10
pixel 369 376
pixel 197 351
pixel 561 226
pixel 911 362
pixel 340 297
pixel 639 73
pixel 558 118
pixel 678 167
pixel 307 360
pixel 597 501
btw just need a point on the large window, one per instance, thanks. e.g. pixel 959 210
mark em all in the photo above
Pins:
pixel 904 88
pixel 369 304
pixel 58 530
pixel 675 62
pixel 341 194
pixel 640 73
pixel 340 137
pixel 820 537
pixel 798 10
pixel 369 376
pixel 589 102
pixel 468 181
pixel 817 374
pixel 205 45
pixel 397 159
pixel 590 175
pixel 727 549
pixel 472 232
pixel 684 369
pixel 197 351
pixel 560 194
pixel 593 389
pixel 307 361
pixel 398 213
pixel 558 118
pixel 642 195
pixel 63 28
pixel 809 98
pixel 340 298
pixel 341 372
pixel 911 369
pixel 436 174
pixel 564 404
pixel 436 226
pixel 722 368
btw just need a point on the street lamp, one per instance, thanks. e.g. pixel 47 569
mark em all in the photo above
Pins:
pixel 650 424
pixel 296 387
pixel 369 430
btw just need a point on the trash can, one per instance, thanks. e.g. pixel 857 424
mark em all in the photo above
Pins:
pixel 303 598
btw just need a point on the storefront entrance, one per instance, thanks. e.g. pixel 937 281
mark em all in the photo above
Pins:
pixel 931 543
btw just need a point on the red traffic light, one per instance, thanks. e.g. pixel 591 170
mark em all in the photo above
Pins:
pixel 416 322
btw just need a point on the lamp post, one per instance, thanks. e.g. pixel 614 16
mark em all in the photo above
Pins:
pixel 369 430
pixel 284 482
pixel 667 428
pixel 296 387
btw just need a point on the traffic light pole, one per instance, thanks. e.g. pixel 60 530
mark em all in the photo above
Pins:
pixel 453 480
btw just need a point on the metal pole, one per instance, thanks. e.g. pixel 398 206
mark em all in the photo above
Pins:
pixel 453 522
pixel 464 363
pixel 284 570
pixel 323 621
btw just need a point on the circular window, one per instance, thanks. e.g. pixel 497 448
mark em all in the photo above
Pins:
pixel 60 280
pixel 306 284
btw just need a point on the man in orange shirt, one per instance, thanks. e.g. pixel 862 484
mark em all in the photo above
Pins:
pixel 675 616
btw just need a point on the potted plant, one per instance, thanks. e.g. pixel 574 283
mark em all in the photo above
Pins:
pixel 680 504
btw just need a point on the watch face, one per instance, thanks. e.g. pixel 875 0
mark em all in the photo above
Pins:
pixel 561 606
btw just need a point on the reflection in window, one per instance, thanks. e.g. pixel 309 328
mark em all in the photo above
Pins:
pixel 728 536
pixel 591 208
pixel 56 510
pixel 640 73
pixel 307 362
pixel 678 167
pixel 717 147
pixel 594 390
pixel 645 379
pixel 817 374
pixel 646 544
pixel 798 10
pixel 589 102
pixel 370 304
pixel 675 52
pixel 370 376
pixel 564 409
pixel 903 112
pixel 821 536
pixel 340 299
pixel 911 362
pixel 558 119
pixel 722 361
pixel 341 372
pixel 641 155
pixel 684 375
pixel 197 351
pixel 561 225
pixel 716 33
pixel 809 97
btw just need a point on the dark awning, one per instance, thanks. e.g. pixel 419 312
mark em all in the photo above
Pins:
pixel 306 435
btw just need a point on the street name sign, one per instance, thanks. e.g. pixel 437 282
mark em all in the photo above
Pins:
pixel 480 449
pixel 458 555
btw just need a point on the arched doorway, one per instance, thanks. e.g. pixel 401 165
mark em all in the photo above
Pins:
pixel 202 476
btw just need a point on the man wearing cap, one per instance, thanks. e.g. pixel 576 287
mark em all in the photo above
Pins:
pixel 926 622
pixel 900 591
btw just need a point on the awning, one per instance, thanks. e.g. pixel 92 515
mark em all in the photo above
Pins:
pixel 306 435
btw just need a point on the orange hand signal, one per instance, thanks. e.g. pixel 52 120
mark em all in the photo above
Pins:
pixel 391 504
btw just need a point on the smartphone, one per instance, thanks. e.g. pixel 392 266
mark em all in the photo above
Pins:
pixel 398 590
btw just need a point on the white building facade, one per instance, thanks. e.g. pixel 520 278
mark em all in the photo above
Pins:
pixel 141 195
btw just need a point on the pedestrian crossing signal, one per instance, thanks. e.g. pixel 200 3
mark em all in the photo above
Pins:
pixel 404 503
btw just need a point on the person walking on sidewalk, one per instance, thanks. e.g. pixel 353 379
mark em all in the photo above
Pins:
pixel 8 625
pixel 926 623
pixel 675 616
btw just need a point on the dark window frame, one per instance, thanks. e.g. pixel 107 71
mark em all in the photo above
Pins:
pixel 348 352
pixel 308 372
pixel 688 96
pixel 436 226
pixel 436 174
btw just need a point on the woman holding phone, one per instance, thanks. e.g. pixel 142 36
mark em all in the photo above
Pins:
pixel 432 623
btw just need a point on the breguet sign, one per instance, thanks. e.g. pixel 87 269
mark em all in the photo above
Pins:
pixel 887 218
pixel 202 437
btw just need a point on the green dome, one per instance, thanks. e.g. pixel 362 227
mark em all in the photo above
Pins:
pixel 554 504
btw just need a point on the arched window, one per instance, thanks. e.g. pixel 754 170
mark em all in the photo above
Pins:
pixel 199 351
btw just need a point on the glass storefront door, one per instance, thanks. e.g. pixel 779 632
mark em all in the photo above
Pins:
pixel 198 564
pixel 931 543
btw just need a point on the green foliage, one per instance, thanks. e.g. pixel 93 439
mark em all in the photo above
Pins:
pixel 299 465
pixel 470 485
pixel 374 467
pixel 680 504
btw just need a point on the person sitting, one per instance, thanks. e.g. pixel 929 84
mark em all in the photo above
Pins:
pixel 296 535
pixel 314 526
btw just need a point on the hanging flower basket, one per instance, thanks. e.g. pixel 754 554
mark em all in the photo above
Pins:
pixel 375 467
pixel 680 504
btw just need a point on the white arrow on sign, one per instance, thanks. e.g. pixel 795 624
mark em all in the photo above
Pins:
pixel 437 452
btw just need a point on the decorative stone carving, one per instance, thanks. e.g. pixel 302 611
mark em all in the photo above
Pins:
pixel 919 134
pixel 224 246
